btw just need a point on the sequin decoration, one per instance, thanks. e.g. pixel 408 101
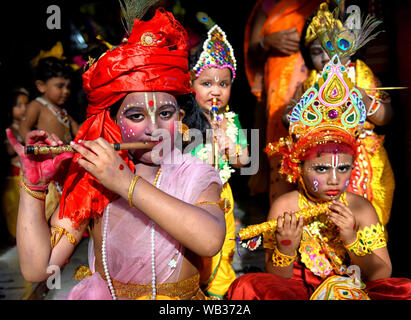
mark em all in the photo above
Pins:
pixel 340 288
pixel 217 53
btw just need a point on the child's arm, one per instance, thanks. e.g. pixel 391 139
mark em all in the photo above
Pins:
pixel 235 151
pixel 31 118
pixel 376 264
pixel 287 235
pixel 33 232
pixel 74 126
pixel 379 111
pixel 201 228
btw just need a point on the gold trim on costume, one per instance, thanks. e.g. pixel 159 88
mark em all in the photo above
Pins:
pixel 187 289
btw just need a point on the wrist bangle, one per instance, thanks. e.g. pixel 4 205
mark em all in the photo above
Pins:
pixel 282 260
pixel 131 190
pixel 34 194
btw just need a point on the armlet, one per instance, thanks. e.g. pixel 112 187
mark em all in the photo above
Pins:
pixel 372 237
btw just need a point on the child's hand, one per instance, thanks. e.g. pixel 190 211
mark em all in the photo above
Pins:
pixel 288 233
pixel 344 219
pixel 286 42
pixel 225 144
pixel 38 169
pixel 105 164
pixel 365 98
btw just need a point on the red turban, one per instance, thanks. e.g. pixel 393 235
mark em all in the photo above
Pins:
pixel 154 58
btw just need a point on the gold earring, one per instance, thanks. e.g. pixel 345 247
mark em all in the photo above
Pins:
pixel 184 130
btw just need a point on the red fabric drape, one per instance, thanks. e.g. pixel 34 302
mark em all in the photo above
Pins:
pixel 266 286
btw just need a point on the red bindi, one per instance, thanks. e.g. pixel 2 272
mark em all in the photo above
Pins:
pixel 285 242
pixel 121 167
pixel 151 103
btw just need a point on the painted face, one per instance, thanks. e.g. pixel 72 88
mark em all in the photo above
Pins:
pixel 326 177
pixel 213 83
pixel 19 110
pixel 148 117
pixel 318 55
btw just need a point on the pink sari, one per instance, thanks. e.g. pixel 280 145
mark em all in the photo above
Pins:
pixel 128 243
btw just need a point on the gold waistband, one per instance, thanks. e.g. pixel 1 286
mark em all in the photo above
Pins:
pixel 187 289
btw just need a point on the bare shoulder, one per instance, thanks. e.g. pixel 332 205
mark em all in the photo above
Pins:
pixel 284 203
pixel 362 209
pixel 34 105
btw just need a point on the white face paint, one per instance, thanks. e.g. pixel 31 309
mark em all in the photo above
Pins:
pixel 216 78
pixel 151 106
pixel 335 165
pixel 315 187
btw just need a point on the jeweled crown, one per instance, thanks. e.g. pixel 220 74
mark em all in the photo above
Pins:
pixel 331 103
pixel 217 53
pixel 331 111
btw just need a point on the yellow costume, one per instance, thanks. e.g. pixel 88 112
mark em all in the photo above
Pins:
pixel 217 273
pixel 372 176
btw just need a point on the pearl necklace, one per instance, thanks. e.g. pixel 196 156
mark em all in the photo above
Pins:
pixel 156 182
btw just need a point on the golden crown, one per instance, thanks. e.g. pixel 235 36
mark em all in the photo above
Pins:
pixel 330 111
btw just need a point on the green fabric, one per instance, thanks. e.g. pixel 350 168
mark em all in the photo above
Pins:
pixel 241 140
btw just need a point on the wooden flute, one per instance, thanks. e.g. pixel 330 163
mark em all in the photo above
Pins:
pixel 40 150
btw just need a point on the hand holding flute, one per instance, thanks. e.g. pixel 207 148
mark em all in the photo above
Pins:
pixel 257 229
pixel 38 171
pixel 41 150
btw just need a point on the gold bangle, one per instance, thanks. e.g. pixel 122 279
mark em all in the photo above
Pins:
pixel 34 194
pixel 131 190
pixel 282 260
pixel 357 248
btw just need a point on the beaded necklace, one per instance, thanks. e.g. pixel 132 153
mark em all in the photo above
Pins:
pixel 61 116
pixel 157 181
